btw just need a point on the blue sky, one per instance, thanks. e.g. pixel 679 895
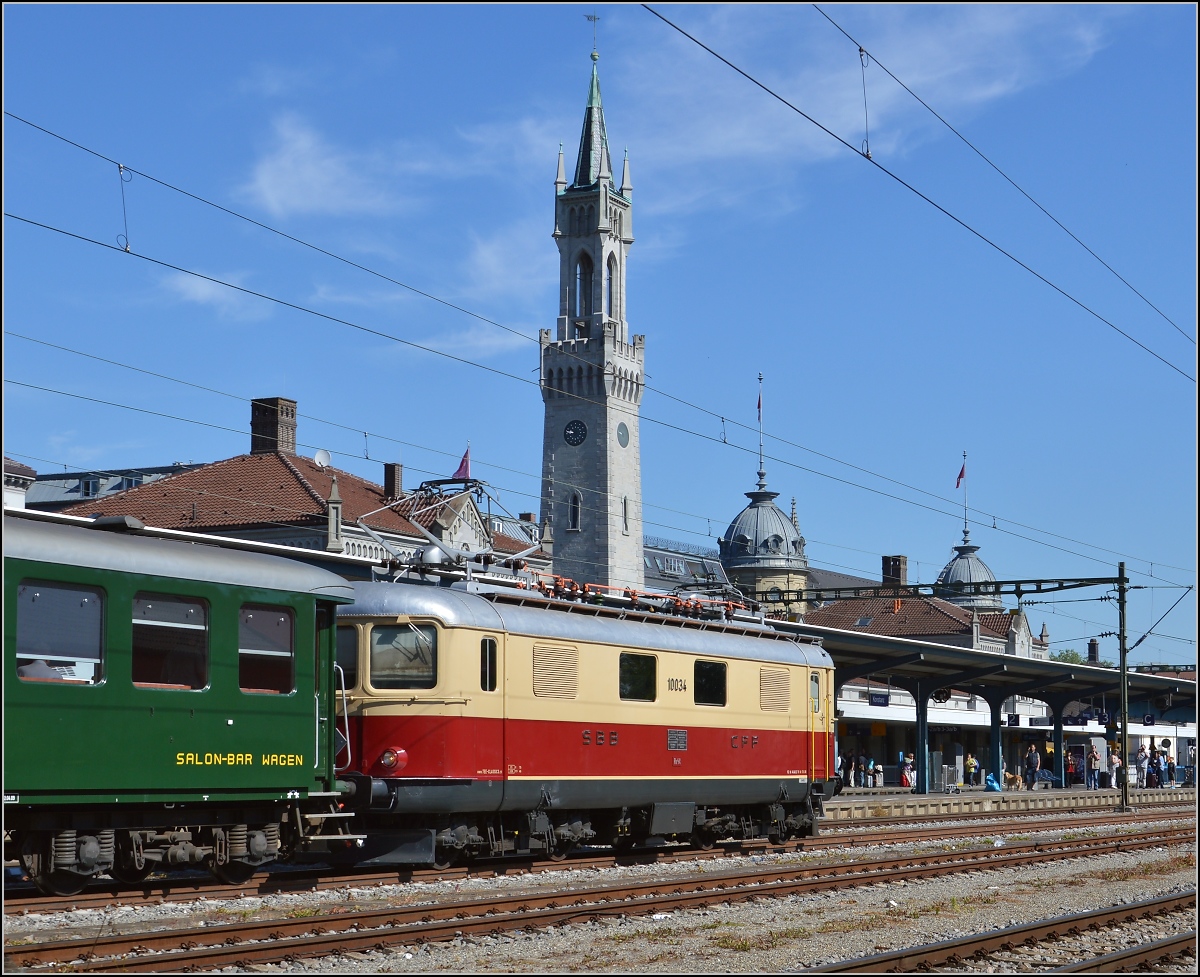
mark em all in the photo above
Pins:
pixel 421 142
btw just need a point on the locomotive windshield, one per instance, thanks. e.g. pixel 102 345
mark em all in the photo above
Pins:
pixel 404 657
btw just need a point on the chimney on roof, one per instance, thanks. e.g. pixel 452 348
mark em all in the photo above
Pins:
pixel 393 478
pixel 1093 652
pixel 895 571
pixel 527 517
pixel 272 426
pixel 333 531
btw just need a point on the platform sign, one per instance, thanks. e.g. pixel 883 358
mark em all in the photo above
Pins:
pixel 1014 719
pixel 880 698
pixel 1148 720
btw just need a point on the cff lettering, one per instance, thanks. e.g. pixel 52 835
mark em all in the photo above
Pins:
pixel 737 742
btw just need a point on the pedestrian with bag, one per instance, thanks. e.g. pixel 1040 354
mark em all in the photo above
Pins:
pixel 1142 760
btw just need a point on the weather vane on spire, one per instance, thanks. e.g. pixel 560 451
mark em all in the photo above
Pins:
pixel 595 19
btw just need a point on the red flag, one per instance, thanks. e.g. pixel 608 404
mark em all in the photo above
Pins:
pixel 961 475
pixel 464 466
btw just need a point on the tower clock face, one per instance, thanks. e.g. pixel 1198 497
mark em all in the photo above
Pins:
pixel 622 435
pixel 574 433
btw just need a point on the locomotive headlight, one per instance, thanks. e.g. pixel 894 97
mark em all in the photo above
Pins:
pixel 393 759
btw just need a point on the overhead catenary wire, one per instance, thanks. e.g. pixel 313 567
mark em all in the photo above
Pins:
pixel 524 380
pixel 929 200
pixel 648 388
pixel 975 149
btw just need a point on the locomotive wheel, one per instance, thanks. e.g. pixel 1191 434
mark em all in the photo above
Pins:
pixel 445 858
pixel 703 840
pixel 232 873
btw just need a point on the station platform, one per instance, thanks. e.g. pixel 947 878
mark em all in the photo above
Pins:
pixel 884 802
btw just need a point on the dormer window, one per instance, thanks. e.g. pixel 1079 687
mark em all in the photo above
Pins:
pixel 89 488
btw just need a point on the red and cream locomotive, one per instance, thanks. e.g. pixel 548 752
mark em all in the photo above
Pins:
pixel 490 721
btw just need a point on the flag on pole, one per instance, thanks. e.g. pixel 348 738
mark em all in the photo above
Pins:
pixel 962 473
pixel 464 466
pixel 760 406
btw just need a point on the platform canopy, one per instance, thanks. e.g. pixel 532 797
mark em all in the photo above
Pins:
pixel 987 673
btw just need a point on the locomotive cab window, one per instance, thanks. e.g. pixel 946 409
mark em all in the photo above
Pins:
pixel 266 651
pixel 60 633
pixel 404 657
pixel 639 677
pixel 170 642
pixel 487 664
pixel 347 654
pixel 708 681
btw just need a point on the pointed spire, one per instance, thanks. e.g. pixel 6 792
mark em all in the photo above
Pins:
pixel 626 185
pixel 593 156
pixel 560 181
pixel 795 521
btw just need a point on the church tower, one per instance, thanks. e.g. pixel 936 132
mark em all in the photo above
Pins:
pixel 592 373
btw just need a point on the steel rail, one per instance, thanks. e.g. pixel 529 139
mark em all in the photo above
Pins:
pixel 977 945
pixel 280 939
pixel 28 900
pixel 1182 944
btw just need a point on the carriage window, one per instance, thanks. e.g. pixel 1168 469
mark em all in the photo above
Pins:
pixel 266 654
pixel 639 677
pixel 709 683
pixel 347 654
pixel 814 681
pixel 487 664
pixel 60 633
pixel 404 657
pixel 170 642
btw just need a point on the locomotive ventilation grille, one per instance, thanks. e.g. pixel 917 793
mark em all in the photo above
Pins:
pixel 774 690
pixel 555 672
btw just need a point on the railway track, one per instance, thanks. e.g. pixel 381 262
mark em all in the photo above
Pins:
pixel 278 940
pixel 1011 944
pixel 27 900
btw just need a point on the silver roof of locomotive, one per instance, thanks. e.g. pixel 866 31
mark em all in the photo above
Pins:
pixel 84 546
pixel 455 607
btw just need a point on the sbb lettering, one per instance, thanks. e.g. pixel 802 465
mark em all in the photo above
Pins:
pixel 599 737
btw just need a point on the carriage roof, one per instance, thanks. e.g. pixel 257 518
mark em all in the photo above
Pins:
pixel 85 546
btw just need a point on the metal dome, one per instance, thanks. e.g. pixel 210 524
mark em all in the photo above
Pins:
pixel 761 536
pixel 966 567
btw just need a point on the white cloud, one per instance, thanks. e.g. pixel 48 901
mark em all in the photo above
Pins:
pixel 303 174
pixel 514 261
pixel 272 80
pixel 228 302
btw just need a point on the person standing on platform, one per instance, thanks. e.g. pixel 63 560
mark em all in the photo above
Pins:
pixel 1114 765
pixel 1141 760
pixel 1093 768
pixel 1033 763
pixel 970 765
pixel 1170 771
pixel 860 774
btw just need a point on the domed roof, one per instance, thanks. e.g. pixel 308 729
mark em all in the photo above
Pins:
pixel 966 567
pixel 762 536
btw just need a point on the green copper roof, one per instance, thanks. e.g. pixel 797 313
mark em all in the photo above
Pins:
pixel 593 156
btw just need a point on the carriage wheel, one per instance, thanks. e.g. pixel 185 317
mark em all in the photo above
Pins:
pixel 232 873
pixel 50 882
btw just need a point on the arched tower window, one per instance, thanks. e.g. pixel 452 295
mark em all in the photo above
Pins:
pixel 583 285
pixel 573 515
pixel 625 513
pixel 574 221
pixel 591 220
pixel 610 288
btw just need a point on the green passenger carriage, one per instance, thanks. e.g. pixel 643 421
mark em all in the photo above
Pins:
pixel 166 703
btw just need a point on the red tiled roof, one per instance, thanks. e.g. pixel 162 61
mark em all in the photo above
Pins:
pixel 998 621
pixel 916 616
pixel 265 490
